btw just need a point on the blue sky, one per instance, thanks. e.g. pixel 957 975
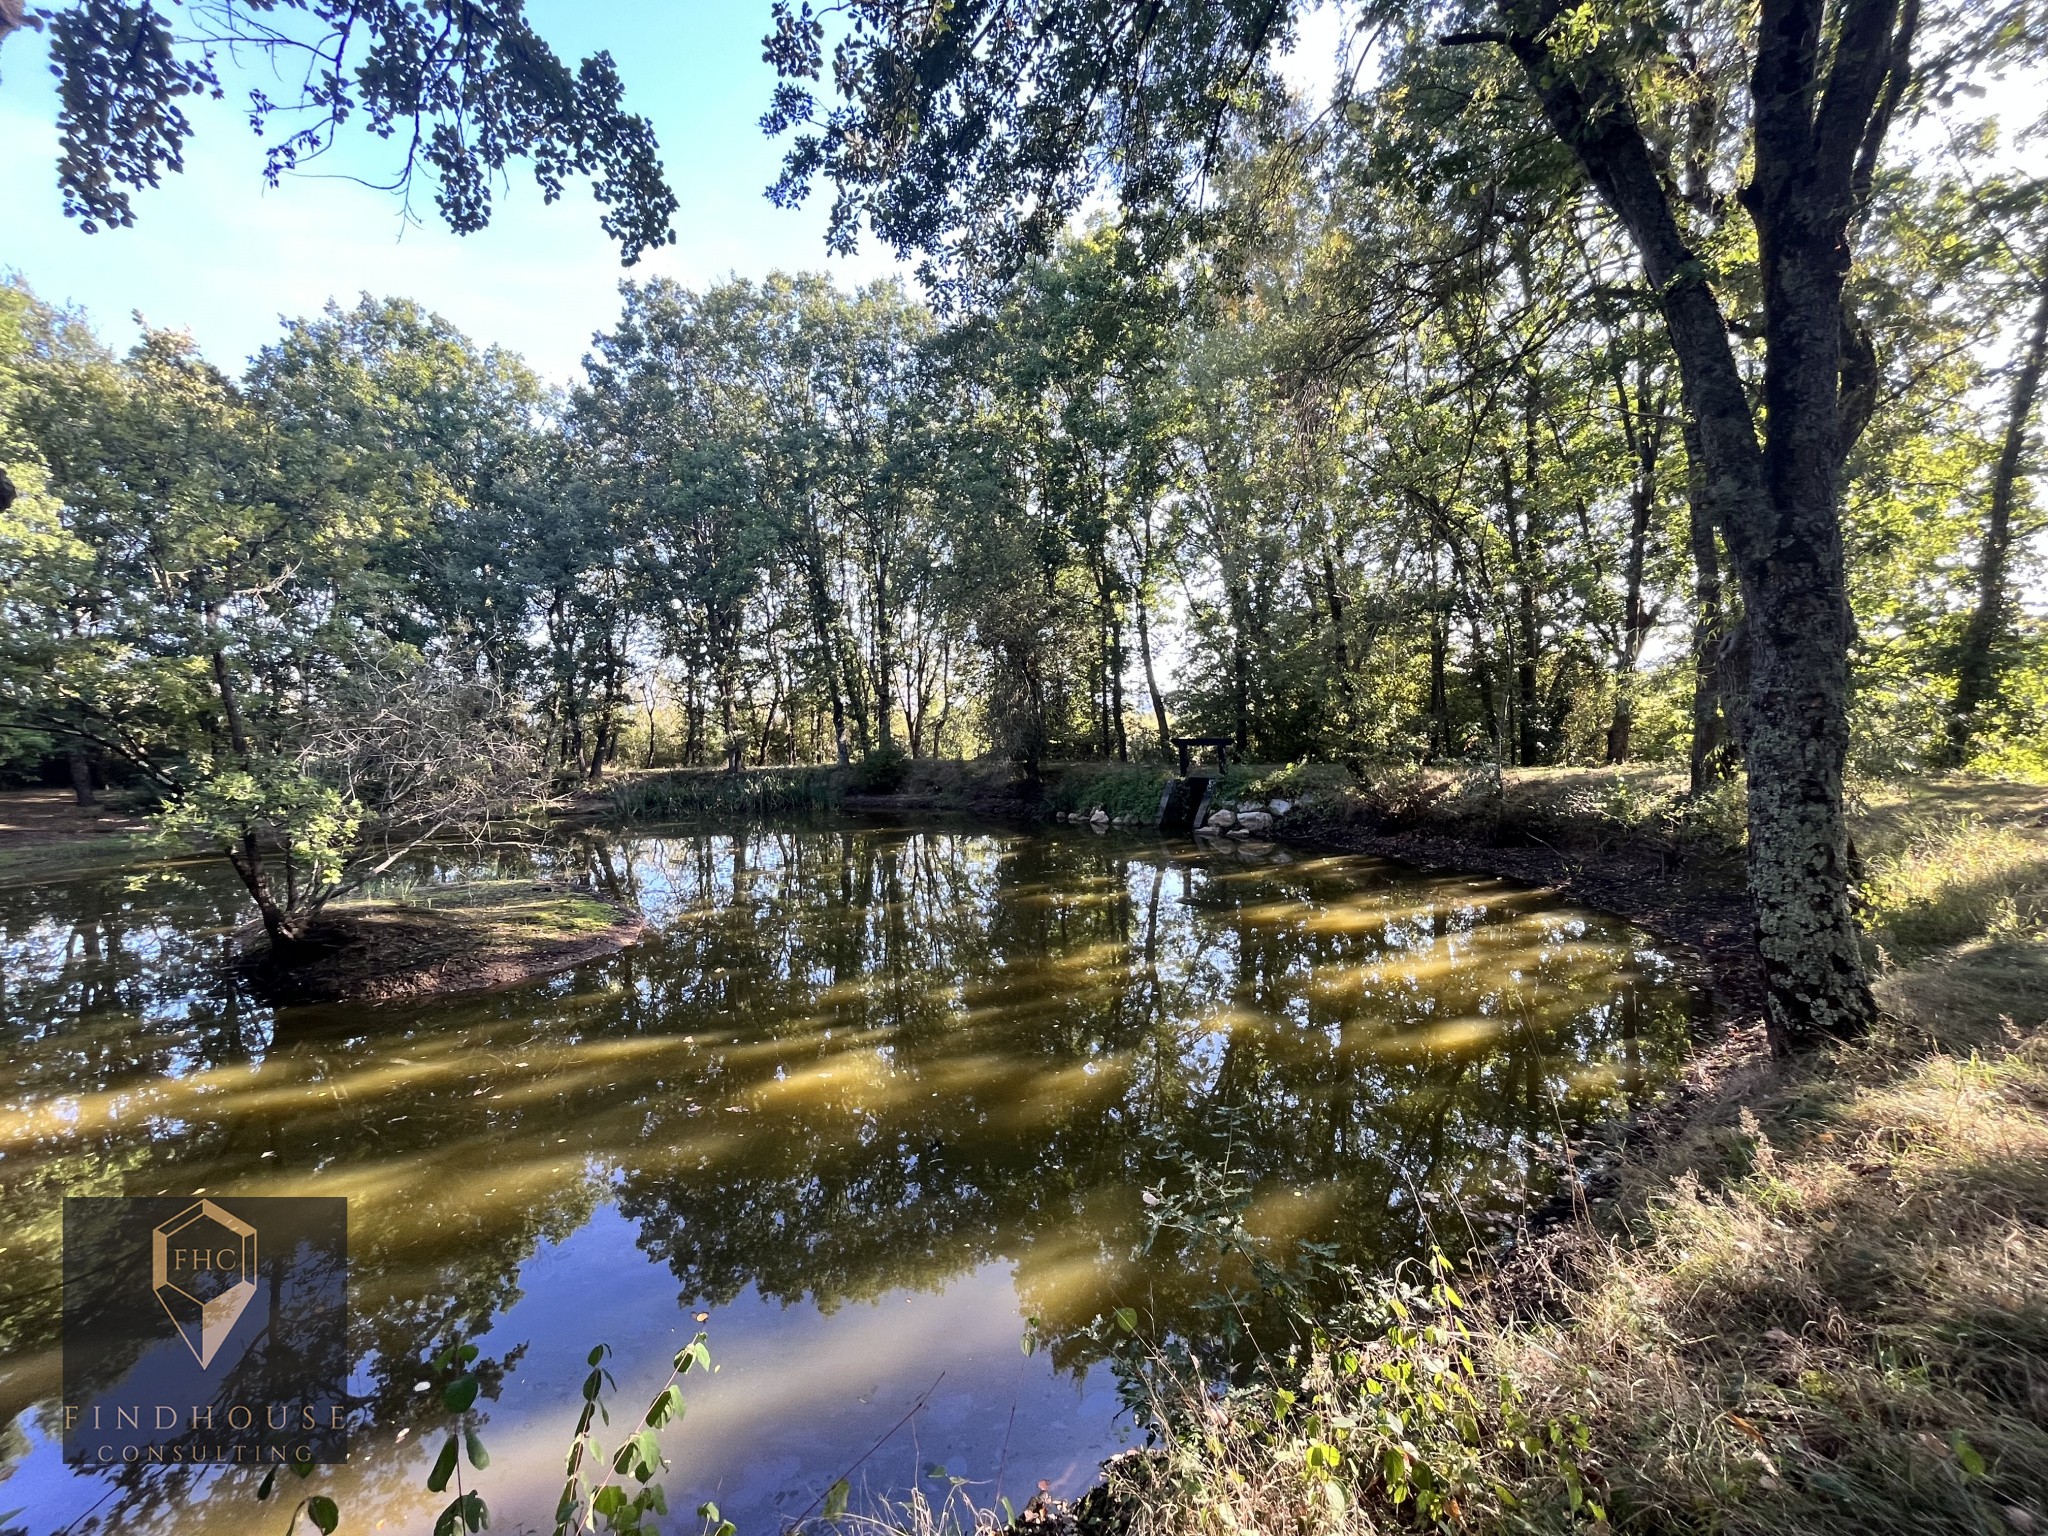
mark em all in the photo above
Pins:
pixel 215 252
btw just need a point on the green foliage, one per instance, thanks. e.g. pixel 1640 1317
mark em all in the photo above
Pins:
pixel 274 802
pixel 600 1501
pixel 1392 1413
pixel 591 1501
pixel 1291 781
pixel 881 772
pixel 692 793
pixel 472 87
pixel 1128 790
pixel 1375 1407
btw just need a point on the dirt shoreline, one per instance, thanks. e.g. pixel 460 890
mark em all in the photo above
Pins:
pixel 386 953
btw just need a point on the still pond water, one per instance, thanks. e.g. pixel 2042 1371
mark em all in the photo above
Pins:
pixel 883 1104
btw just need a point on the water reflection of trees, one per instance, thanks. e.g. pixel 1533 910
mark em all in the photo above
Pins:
pixel 988 1053
pixel 845 1061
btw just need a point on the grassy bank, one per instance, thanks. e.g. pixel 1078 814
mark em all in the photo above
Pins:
pixel 1823 1307
pixel 44 835
pixel 1816 1300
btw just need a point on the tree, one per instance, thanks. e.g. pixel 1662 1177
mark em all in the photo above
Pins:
pixel 398 755
pixel 462 88
pixel 2015 214
pixel 1009 117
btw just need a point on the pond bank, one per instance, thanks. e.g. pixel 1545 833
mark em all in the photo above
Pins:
pixel 1806 1294
pixel 45 833
pixel 469 938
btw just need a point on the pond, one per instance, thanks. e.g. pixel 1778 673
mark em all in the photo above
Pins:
pixel 888 1112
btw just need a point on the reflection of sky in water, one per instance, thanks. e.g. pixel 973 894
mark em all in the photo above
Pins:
pixel 870 1098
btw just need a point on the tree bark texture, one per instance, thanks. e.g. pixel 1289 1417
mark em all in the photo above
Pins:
pixel 1776 501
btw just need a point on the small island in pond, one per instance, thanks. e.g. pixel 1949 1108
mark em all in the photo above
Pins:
pixel 449 939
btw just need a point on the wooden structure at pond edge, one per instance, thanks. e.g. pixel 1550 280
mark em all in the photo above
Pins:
pixel 1187 745
pixel 1184 799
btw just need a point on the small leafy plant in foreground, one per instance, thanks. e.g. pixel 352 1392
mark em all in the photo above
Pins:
pixel 595 1496
pixel 601 1502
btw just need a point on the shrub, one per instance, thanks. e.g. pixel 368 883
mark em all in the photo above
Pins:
pixel 1130 790
pixel 881 772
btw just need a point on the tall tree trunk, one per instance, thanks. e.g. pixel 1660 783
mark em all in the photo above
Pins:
pixel 1439 683
pixel 1525 638
pixel 825 627
pixel 885 657
pixel 224 685
pixel 1152 678
pixel 81 776
pixel 1635 618
pixel 1120 735
pixel 1778 503
pixel 1977 668
pixel 246 855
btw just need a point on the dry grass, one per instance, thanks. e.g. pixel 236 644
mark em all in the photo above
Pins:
pixel 1949 861
pixel 444 939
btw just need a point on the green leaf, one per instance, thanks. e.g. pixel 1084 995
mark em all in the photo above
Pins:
pixel 665 1408
pixel 468 1513
pixel 466 1354
pixel 610 1500
pixel 269 1481
pixel 597 1354
pixel 1127 1319
pixel 835 1499
pixel 478 1456
pixel 323 1512
pixel 1967 1457
pixel 444 1468
pixel 457 1396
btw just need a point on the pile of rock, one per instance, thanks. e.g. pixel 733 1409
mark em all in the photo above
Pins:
pixel 1250 818
pixel 1097 818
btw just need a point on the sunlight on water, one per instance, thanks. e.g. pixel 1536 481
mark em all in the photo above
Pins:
pixel 880 1102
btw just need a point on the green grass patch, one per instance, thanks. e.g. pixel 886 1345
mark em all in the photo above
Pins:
pixel 1130 790
pixel 687 793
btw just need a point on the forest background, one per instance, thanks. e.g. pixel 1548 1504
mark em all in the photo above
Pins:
pixel 1373 451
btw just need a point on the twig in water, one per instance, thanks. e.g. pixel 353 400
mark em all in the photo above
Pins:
pixel 847 1475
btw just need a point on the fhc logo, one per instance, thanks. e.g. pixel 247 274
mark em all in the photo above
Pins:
pixel 205 1331
pixel 203 1269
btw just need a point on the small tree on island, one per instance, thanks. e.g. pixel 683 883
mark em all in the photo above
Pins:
pixel 398 756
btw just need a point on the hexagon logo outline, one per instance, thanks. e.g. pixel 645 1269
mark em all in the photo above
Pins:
pixel 210 1319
